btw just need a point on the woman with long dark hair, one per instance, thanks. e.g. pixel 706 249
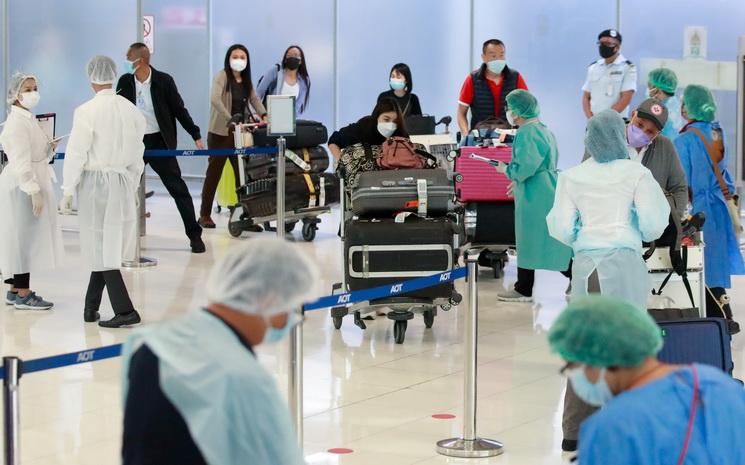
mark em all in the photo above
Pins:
pixel 232 92
pixel 289 78
pixel 401 84
pixel 385 121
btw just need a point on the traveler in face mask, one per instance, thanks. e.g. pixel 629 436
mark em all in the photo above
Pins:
pixel 485 89
pixel 194 390
pixel 661 86
pixel 399 79
pixel 611 81
pixel 291 78
pixel 653 413
pixel 30 238
pixel 386 121
pixel 232 92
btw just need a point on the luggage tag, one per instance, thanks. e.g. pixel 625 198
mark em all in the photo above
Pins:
pixel 297 160
pixel 311 190
pixel 322 201
pixel 421 193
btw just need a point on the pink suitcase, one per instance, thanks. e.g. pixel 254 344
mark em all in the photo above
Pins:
pixel 477 181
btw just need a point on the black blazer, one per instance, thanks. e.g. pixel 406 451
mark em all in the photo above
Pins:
pixel 167 102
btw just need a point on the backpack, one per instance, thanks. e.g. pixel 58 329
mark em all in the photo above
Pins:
pixel 401 153
pixel 354 160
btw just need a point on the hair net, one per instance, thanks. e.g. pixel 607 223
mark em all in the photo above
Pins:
pixel 264 277
pixel 523 104
pixel 605 139
pixel 605 332
pixel 663 79
pixel 15 84
pixel 101 70
pixel 699 103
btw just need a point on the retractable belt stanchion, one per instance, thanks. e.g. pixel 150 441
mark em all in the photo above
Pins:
pixel 11 405
pixel 140 261
pixel 469 445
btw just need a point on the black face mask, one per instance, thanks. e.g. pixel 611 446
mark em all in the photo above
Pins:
pixel 291 63
pixel 606 51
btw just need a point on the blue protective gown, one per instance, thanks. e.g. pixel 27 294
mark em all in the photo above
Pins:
pixel 229 402
pixel 647 425
pixel 722 255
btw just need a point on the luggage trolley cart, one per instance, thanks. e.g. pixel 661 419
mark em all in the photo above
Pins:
pixel 258 200
pixel 367 264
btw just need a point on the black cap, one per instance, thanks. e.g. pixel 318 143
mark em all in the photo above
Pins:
pixel 653 111
pixel 612 33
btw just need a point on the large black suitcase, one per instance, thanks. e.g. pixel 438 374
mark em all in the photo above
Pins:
pixel 391 191
pixel 307 134
pixel 264 165
pixel 699 340
pixel 491 223
pixel 379 252
pixel 259 198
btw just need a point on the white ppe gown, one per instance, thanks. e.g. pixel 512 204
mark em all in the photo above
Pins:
pixel 103 165
pixel 604 211
pixel 27 243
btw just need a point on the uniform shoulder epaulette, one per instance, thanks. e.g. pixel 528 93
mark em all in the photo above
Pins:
pixel 591 64
pixel 628 62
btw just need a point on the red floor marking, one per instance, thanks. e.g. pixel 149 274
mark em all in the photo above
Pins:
pixel 340 451
pixel 443 416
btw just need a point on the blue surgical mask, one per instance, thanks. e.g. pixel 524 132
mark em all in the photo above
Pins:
pixel 274 335
pixel 397 84
pixel 129 66
pixel 496 66
pixel 597 394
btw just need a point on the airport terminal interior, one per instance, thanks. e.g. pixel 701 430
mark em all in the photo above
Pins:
pixel 378 395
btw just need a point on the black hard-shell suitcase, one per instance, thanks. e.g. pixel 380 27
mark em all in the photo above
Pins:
pixel 259 198
pixel 379 252
pixel 494 222
pixel 699 340
pixel 385 193
pixel 307 134
pixel 264 165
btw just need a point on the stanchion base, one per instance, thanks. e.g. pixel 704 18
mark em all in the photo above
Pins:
pixel 477 448
pixel 143 263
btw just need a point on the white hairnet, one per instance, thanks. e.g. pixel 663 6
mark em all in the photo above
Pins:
pixel 101 70
pixel 605 139
pixel 264 277
pixel 15 84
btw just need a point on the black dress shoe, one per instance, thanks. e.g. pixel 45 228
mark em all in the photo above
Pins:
pixel 127 319
pixel 197 245
pixel 569 445
pixel 91 316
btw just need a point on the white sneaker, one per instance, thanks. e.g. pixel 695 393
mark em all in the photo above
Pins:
pixel 513 296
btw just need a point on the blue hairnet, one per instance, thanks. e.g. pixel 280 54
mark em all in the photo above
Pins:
pixel 15 84
pixel 663 79
pixel 605 331
pixel 606 137
pixel 265 276
pixel 523 104
pixel 699 103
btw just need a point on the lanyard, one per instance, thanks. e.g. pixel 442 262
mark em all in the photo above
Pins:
pixel 691 420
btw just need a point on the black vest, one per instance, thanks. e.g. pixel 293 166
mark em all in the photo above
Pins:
pixel 482 107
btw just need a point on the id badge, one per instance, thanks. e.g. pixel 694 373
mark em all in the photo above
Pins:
pixel 609 90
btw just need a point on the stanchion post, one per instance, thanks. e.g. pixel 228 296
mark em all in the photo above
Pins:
pixel 11 405
pixel 140 261
pixel 295 390
pixel 470 445
pixel 281 144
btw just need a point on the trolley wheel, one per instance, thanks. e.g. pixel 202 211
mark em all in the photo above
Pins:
pixel 289 227
pixel 458 177
pixel 446 307
pixel 399 331
pixel 309 232
pixel 429 318
pixel 219 209
pixel 338 320
pixel 235 226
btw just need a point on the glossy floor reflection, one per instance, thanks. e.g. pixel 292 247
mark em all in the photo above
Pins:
pixel 362 391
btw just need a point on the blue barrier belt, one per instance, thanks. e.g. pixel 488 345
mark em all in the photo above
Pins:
pixel 73 358
pixel 198 153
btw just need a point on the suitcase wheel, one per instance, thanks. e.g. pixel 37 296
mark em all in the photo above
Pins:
pixel 429 318
pixel 358 321
pixel 235 229
pixel 309 232
pixel 399 331
pixel 455 299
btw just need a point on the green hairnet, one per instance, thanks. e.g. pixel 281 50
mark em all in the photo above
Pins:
pixel 699 103
pixel 605 138
pixel 523 104
pixel 605 332
pixel 663 79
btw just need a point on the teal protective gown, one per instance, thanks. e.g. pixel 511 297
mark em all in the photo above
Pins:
pixel 533 170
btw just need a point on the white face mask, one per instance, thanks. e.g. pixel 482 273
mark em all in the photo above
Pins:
pixel 29 99
pixel 386 129
pixel 510 118
pixel 238 65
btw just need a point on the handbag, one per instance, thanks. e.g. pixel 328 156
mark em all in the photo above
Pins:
pixel 354 160
pixel 716 154
pixel 663 308
pixel 400 153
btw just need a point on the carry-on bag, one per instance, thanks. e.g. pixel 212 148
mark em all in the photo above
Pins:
pixel 307 134
pixel 259 198
pixel 700 340
pixel 355 160
pixel 477 181
pixel 420 125
pixel 490 223
pixel 385 193
pixel 264 165
pixel 384 251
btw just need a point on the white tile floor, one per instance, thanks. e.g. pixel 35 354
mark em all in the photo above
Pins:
pixel 362 391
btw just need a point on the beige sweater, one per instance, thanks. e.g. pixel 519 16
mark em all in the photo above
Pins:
pixel 220 103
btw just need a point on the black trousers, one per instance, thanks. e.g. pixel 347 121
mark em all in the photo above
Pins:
pixel 526 280
pixel 114 283
pixel 20 281
pixel 168 170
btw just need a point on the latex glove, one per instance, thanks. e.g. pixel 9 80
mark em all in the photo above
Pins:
pixel 511 189
pixel 501 167
pixel 37 203
pixel 65 205
pixel 200 144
